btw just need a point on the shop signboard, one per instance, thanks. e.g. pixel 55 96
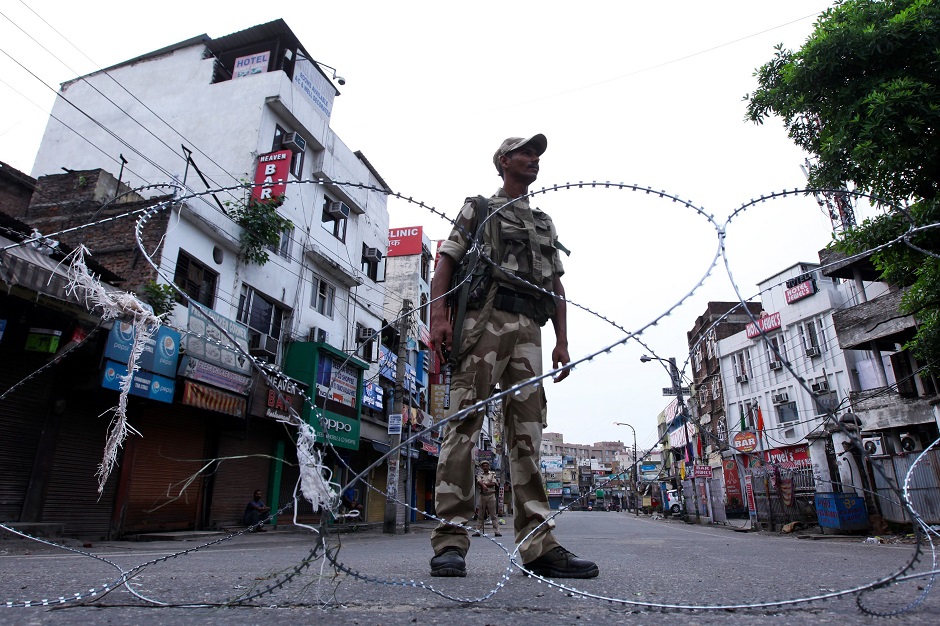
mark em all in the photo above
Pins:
pixel 143 384
pixel 205 342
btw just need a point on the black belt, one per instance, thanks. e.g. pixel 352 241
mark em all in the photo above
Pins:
pixel 515 302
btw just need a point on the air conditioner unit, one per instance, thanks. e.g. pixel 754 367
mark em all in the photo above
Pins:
pixel 813 351
pixel 775 365
pixel 820 387
pixel 262 345
pixel 337 210
pixel 318 335
pixel 364 334
pixel 780 398
pixel 372 255
pixel 293 142
pixel 910 442
pixel 874 446
pixel 742 378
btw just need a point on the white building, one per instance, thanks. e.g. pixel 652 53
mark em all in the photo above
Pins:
pixel 252 106
pixel 318 284
pixel 763 394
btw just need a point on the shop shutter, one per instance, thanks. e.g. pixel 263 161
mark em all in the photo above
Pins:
pixel 22 416
pixel 72 494
pixel 237 478
pixel 163 494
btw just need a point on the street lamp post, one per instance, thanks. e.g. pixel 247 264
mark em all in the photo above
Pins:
pixel 634 478
pixel 680 401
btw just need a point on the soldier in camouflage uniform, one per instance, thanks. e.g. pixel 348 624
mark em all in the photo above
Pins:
pixel 500 343
pixel 487 484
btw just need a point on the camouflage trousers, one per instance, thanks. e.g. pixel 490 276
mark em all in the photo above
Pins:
pixel 506 351
pixel 486 507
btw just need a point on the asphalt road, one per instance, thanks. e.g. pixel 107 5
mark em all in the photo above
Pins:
pixel 647 566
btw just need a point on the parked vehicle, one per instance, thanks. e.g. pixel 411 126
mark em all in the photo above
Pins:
pixel 672 502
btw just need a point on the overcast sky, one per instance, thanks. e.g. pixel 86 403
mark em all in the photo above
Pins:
pixel 641 93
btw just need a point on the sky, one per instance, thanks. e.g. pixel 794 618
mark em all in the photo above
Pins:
pixel 645 94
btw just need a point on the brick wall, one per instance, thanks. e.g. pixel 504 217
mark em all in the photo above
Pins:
pixel 16 189
pixel 69 200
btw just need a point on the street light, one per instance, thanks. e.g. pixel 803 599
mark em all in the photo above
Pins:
pixel 633 477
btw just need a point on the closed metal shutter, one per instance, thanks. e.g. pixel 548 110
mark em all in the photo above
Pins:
pixel 163 492
pixel 237 479
pixel 22 416
pixel 72 493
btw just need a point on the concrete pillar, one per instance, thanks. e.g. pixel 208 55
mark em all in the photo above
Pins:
pixel 817 453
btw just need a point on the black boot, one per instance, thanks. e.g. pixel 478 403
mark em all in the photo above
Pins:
pixel 559 563
pixel 449 562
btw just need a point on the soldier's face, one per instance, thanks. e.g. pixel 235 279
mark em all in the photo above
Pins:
pixel 521 164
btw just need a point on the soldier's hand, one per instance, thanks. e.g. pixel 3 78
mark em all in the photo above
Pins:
pixel 559 358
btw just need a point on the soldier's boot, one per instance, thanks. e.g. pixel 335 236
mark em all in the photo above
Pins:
pixel 449 562
pixel 560 563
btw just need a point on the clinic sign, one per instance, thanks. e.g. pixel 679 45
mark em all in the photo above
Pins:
pixel 765 324
pixel 271 175
pixel 404 241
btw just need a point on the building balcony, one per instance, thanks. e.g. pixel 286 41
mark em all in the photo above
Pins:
pixel 874 322
pixel 884 408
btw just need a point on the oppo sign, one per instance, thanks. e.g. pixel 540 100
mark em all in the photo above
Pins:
pixel 342 427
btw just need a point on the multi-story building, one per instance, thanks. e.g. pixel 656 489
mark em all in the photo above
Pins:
pixel 706 404
pixel 780 387
pixel 256 106
pixel 894 401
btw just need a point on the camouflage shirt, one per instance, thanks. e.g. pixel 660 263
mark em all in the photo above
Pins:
pixel 517 238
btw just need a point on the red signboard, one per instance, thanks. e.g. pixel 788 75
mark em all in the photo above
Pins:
pixel 732 482
pixel 702 471
pixel 271 175
pixel 790 457
pixel 404 241
pixel 744 441
pixel 800 291
pixel 766 323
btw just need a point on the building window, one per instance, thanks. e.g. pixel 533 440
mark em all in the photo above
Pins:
pixel 332 221
pixel 284 244
pixel 322 296
pixel 297 156
pixel 424 308
pixel 812 343
pixel 741 362
pixel 787 412
pixel 366 340
pixel 195 279
pixel 371 257
pixel 777 346
pixel 426 265
pixel 261 313
pixel 827 403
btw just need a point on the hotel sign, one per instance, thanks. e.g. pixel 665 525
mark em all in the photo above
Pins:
pixel 800 291
pixel 765 324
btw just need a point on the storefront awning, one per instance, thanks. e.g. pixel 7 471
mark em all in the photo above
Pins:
pixel 211 399
pixel 23 266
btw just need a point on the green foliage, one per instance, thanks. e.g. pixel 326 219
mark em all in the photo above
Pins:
pixel 160 296
pixel 863 96
pixel 261 227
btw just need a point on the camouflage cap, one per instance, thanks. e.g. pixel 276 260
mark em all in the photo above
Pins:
pixel 539 142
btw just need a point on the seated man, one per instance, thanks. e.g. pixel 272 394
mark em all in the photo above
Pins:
pixel 255 511
pixel 351 502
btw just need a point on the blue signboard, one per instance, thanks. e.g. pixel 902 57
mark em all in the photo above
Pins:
pixel 160 354
pixel 372 396
pixel 143 384
pixel 841 511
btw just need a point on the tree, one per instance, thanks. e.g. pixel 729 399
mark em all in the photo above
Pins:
pixel 862 97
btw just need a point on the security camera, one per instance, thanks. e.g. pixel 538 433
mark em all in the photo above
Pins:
pixel 341 80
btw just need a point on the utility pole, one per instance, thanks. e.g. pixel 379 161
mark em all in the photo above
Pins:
pixel 394 458
pixel 633 474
